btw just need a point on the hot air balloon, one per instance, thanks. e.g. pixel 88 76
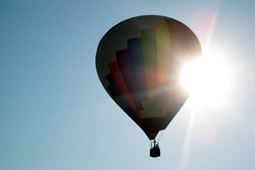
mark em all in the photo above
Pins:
pixel 138 62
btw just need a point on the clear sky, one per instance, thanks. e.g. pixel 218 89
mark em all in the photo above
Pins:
pixel 55 114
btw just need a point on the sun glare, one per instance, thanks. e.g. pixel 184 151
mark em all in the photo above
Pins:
pixel 207 79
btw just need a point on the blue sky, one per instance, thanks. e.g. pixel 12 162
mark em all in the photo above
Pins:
pixel 55 114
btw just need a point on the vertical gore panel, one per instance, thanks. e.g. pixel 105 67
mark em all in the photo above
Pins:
pixel 148 38
pixel 124 65
pixel 136 60
pixel 112 88
pixel 174 35
pixel 122 88
pixel 163 43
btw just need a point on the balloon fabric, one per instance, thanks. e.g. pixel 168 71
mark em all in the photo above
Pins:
pixel 138 62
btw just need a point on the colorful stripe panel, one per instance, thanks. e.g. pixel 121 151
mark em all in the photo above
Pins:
pixel 124 65
pixel 148 38
pixel 118 82
pixel 137 64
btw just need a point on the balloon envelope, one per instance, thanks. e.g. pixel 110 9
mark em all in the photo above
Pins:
pixel 138 62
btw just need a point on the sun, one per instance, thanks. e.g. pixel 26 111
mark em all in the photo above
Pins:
pixel 207 79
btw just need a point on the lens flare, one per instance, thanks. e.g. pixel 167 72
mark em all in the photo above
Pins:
pixel 207 80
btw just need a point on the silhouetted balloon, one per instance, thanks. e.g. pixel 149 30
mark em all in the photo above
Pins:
pixel 138 62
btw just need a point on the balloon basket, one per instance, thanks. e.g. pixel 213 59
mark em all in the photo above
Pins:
pixel 155 150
